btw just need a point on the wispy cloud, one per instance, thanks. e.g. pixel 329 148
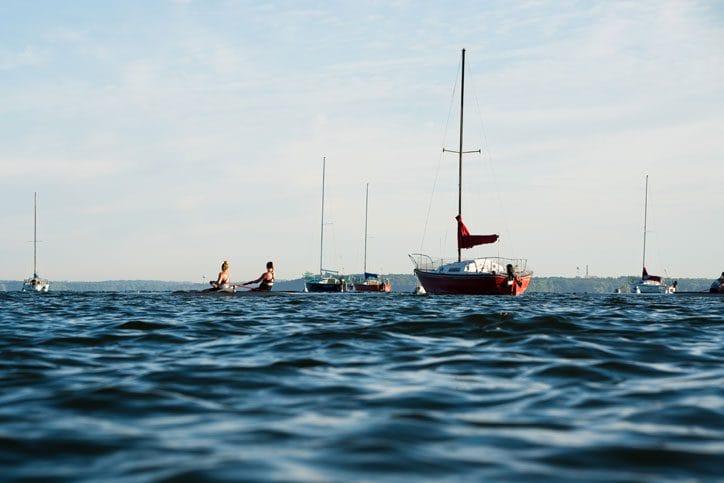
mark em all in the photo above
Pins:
pixel 28 56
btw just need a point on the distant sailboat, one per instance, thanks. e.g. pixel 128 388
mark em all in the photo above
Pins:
pixel 650 283
pixel 479 276
pixel 36 283
pixel 327 280
pixel 371 283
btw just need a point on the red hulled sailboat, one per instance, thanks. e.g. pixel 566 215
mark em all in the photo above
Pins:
pixel 372 282
pixel 475 276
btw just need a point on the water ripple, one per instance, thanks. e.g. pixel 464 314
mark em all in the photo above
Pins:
pixel 307 387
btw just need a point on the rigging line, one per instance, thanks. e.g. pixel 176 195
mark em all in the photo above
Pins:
pixel 337 259
pixel 439 159
pixel 486 150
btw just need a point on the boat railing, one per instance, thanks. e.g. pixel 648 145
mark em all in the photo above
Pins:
pixel 428 264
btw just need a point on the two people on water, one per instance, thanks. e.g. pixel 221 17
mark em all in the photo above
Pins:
pixel 223 281
pixel 718 285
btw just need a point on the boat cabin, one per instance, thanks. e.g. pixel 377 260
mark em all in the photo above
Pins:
pixel 477 265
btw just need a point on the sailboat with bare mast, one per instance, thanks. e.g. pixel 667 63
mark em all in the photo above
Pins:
pixel 478 276
pixel 35 283
pixel 372 282
pixel 650 283
pixel 327 281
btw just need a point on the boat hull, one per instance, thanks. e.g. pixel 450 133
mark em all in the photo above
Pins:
pixel 376 287
pixel 648 288
pixel 472 284
pixel 36 285
pixel 317 287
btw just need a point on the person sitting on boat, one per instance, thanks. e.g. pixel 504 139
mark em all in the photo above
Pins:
pixel 222 281
pixel 718 285
pixel 266 279
pixel 512 277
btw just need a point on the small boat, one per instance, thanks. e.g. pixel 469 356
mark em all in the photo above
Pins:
pixel 35 283
pixel 650 283
pixel 476 276
pixel 372 282
pixel 326 283
pixel 327 280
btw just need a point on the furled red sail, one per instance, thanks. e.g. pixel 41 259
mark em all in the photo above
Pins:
pixel 645 276
pixel 466 240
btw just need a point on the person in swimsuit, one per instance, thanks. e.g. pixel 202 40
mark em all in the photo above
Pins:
pixel 222 281
pixel 512 277
pixel 266 279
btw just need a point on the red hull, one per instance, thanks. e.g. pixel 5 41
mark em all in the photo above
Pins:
pixel 471 284
pixel 381 287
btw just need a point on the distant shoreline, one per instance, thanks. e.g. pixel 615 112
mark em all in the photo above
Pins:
pixel 400 283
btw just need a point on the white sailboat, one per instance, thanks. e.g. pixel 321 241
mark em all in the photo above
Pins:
pixel 650 283
pixel 35 283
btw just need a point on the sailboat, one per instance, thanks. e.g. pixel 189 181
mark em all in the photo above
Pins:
pixel 372 282
pixel 327 280
pixel 35 283
pixel 477 276
pixel 650 283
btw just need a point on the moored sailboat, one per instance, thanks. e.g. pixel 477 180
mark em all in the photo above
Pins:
pixel 479 276
pixel 327 280
pixel 372 282
pixel 650 283
pixel 35 283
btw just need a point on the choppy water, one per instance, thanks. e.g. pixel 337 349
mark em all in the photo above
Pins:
pixel 315 387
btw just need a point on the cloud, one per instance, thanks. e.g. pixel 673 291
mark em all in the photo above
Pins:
pixel 28 56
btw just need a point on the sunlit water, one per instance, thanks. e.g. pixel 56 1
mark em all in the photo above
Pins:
pixel 341 387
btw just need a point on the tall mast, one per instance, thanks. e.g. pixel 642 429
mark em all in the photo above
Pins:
pixel 321 235
pixel 35 234
pixel 460 151
pixel 367 197
pixel 646 207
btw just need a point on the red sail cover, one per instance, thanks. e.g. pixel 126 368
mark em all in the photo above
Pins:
pixel 645 276
pixel 466 240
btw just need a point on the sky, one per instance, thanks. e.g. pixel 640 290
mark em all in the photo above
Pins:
pixel 163 137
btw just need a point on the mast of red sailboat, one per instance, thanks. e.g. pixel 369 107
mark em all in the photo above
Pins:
pixel 460 150
pixel 460 153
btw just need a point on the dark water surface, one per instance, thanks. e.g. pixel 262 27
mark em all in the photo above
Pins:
pixel 340 387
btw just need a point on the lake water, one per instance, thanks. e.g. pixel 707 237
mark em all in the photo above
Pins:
pixel 353 387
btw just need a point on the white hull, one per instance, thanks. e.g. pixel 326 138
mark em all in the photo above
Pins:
pixel 648 287
pixel 36 285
